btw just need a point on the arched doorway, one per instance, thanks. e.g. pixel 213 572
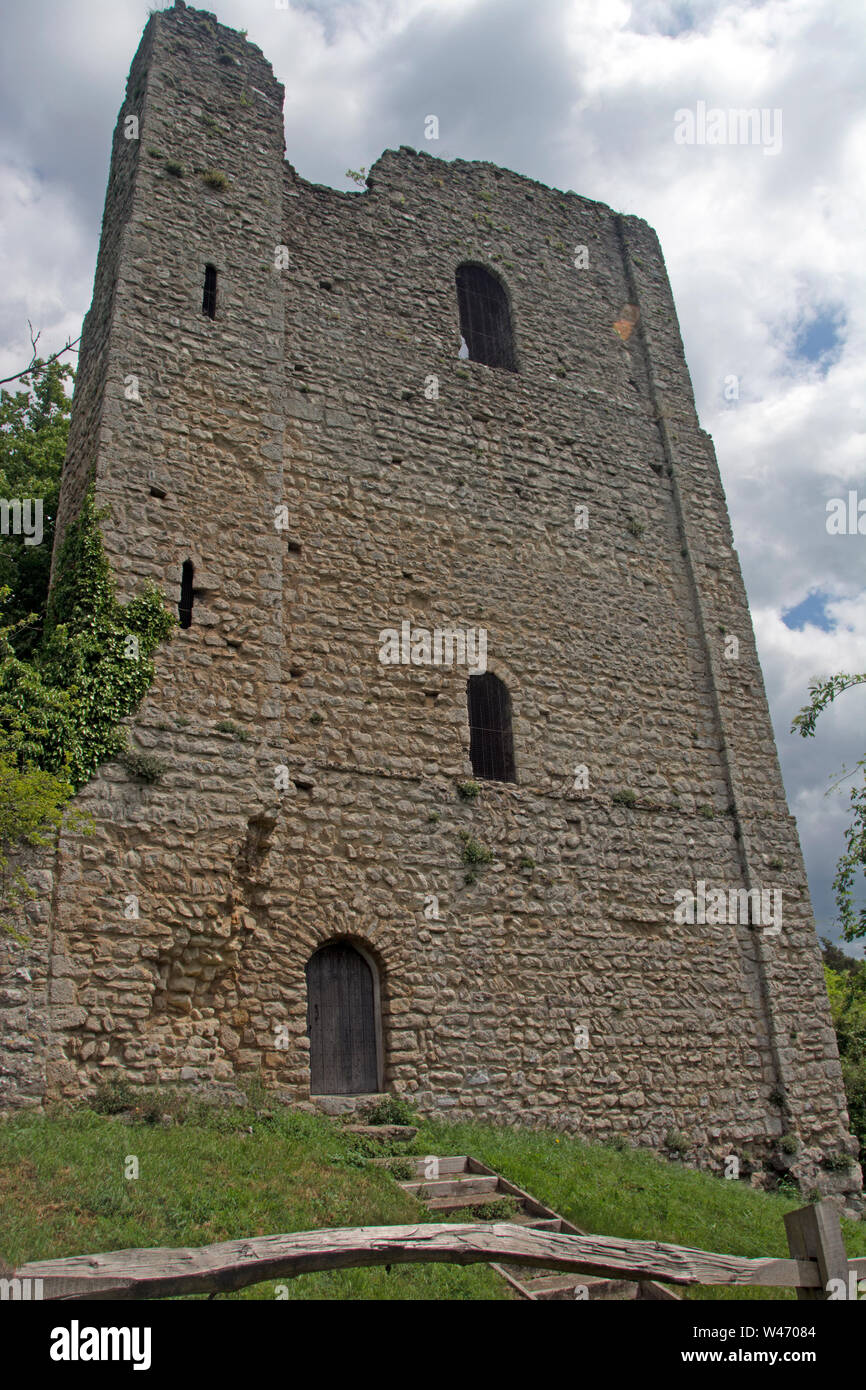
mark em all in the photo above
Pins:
pixel 342 1022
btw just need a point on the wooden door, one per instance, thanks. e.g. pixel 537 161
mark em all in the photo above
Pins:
pixel 341 1022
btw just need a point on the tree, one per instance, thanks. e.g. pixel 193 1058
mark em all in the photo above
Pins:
pixel 853 860
pixel 34 425
pixel 847 993
pixel 73 663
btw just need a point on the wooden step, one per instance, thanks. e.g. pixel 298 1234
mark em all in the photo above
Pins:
pixel 458 1202
pixel 459 1163
pixel 447 1187
pixel 561 1287
pixel 448 1167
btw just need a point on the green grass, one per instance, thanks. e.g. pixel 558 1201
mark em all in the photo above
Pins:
pixel 62 1192
pixel 225 1174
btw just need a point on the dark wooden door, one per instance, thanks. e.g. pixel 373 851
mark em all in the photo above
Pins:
pixel 341 1022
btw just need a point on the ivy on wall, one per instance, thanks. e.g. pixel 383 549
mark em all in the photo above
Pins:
pixel 61 709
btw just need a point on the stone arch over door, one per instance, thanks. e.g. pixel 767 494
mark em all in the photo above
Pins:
pixel 344 1020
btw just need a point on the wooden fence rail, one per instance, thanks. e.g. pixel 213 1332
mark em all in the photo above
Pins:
pixel 814 1236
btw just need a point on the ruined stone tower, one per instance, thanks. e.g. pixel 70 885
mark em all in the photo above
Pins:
pixel 272 406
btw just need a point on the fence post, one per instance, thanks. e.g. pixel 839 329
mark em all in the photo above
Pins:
pixel 814 1233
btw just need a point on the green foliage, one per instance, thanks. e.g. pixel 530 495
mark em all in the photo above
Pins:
pixel 112 1097
pixel 677 1142
pixel 31 805
pixel 176 170
pixel 145 766
pixel 391 1110
pixel 227 726
pixel 468 791
pixel 626 797
pixel 846 989
pixel 215 178
pixel 707 812
pixel 526 861
pixel 61 712
pixel 789 1143
pixel 634 527
pixel 836 1162
pixel 358 176
pixel 401 1169
pixel 34 425
pixel 500 1209
pixel 73 663
pixel 851 864
pixel 473 852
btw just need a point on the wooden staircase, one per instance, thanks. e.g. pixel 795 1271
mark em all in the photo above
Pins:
pixel 466 1187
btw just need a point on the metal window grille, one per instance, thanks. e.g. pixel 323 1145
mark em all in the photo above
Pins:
pixel 485 319
pixel 184 608
pixel 208 303
pixel 491 745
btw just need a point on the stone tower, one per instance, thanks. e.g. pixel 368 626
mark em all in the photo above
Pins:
pixel 342 880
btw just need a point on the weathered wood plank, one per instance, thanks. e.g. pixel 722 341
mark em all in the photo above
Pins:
pixel 164 1272
pixel 814 1233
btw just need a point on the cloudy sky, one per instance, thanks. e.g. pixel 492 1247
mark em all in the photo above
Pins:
pixel 764 242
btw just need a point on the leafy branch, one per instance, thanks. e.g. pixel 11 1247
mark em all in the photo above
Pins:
pixel 853 860
pixel 36 362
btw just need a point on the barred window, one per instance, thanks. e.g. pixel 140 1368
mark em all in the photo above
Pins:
pixel 491 745
pixel 485 318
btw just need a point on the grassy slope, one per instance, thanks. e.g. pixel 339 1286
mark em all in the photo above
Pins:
pixel 62 1192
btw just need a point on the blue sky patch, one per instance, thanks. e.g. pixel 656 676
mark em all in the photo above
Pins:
pixel 818 337
pixel 812 610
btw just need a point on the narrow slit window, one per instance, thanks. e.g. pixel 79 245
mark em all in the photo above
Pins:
pixel 208 303
pixel 485 318
pixel 491 744
pixel 184 608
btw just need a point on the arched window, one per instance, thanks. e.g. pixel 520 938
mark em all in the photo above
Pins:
pixel 491 746
pixel 343 1022
pixel 208 303
pixel 184 608
pixel 485 318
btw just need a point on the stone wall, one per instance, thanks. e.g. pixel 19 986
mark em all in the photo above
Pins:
pixel 310 791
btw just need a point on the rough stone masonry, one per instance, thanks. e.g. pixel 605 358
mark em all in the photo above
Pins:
pixel 330 467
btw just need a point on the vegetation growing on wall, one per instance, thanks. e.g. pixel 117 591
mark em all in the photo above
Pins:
pixel 72 664
pixel 846 986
